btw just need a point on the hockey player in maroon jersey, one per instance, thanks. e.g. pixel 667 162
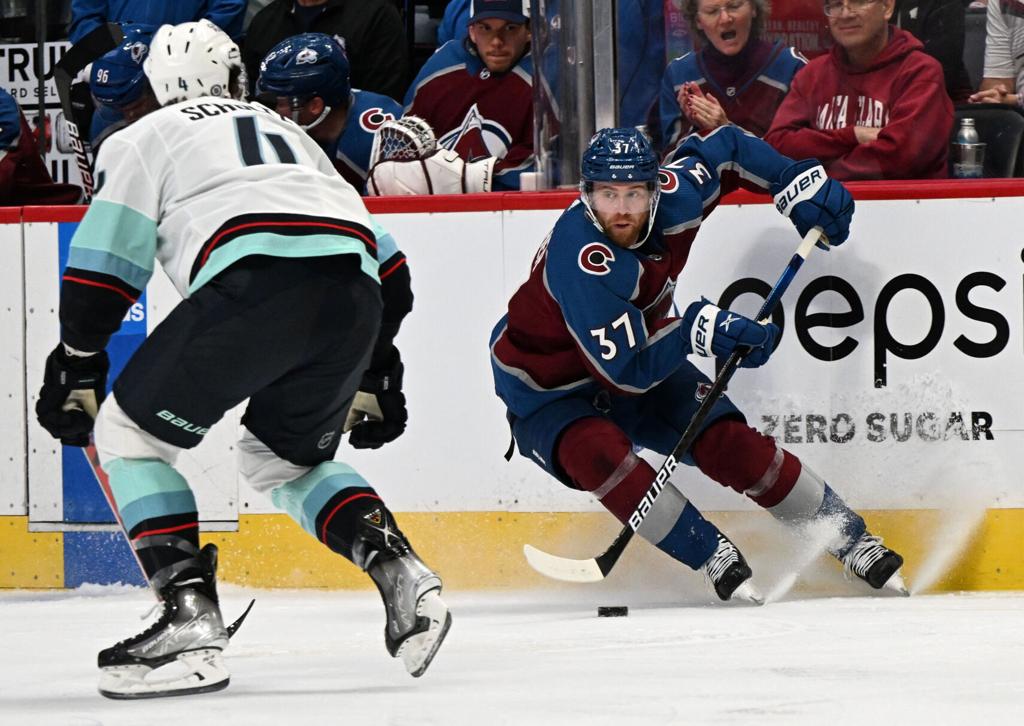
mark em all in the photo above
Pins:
pixel 875 107
pixel 736 77
pixel 477 94
pixel 589 360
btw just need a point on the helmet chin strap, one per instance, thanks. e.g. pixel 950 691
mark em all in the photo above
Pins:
pixel 315 122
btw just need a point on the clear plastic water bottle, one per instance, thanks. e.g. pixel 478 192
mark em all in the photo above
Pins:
pixel 968 152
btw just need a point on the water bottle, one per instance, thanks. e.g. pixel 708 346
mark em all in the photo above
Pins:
pixel 968 152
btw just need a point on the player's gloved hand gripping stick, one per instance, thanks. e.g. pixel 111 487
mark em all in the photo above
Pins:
pixel 597 568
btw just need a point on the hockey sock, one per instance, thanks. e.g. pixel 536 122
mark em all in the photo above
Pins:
pixel 334 504
pixel 737 456
pixel 599 458
pixel 773 478
pixel 158 512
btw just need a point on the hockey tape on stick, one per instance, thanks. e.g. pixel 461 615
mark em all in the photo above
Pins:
pixel 597 568
pixel 104 38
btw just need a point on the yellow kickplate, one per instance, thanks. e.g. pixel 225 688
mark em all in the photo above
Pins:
pixel 29 559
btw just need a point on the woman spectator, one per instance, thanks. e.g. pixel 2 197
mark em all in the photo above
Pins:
pixel 736 77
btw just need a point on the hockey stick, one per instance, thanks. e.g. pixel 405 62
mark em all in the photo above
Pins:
pixel 101 40
pixel 597 568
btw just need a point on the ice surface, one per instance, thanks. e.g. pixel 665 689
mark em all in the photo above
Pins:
pixel 543 657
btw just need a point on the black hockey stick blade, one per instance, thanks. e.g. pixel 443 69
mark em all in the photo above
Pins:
pixel 597 568
pixel 100 40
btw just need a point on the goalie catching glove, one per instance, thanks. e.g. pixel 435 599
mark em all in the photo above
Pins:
pixel 716 332
pixel 74 386
pixel 443 172
pixel 378 414
pixel 806 194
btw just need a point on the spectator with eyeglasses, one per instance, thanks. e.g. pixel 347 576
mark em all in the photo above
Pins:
pixel 737 76
pixel 875 107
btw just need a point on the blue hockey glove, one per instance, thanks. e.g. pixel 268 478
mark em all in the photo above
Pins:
pixel 716 332
pixel 806 195
pixel 73 389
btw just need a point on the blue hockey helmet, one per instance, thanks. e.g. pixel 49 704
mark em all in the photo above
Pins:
pixel 117 78
pixel 304 66
pixel 620 156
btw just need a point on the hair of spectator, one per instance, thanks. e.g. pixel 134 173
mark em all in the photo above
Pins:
pixel 763 7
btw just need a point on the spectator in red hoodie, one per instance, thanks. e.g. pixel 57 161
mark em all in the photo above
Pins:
pixel 875 107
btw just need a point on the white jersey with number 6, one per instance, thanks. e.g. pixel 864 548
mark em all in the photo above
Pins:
pixel 202 183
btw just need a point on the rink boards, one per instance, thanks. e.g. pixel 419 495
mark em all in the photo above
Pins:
pixel 898 378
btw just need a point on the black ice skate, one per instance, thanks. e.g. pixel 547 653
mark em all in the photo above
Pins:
pixel 190 632
pixel 875 563
pixel 417 617
pixel 729 574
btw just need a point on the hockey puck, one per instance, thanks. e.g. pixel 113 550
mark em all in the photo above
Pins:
pixel 612 611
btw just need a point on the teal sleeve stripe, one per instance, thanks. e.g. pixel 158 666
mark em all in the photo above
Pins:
pixel 386 245
pixel 156 505
pixel 118 230
pixel 82 258
pixel 304 497
pixel 135 479
pixel 278 245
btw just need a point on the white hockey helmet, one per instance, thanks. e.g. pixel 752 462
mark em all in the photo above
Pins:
pixel 191 60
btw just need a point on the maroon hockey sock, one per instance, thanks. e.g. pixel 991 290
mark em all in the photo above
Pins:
pixel 599 458
pixel 737 456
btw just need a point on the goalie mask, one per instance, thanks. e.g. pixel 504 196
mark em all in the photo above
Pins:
pixel 303 67
pixel 192 60
pixel 621 156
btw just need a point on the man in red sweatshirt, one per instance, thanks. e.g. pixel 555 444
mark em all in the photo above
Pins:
pixel 875 107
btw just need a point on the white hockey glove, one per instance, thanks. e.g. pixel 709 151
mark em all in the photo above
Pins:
pixel 443 172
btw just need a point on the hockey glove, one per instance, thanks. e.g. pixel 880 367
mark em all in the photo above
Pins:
pixel 443 172
pixel 74 386
pixel 378 415
pixel 716 332
pixel 806 195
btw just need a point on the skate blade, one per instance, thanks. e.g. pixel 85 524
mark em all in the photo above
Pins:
pixel 419 650
pixel 205 673
pixel 748 592
pixel 896 584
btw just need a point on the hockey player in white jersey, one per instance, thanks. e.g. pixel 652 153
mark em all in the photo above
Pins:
pixel 276 259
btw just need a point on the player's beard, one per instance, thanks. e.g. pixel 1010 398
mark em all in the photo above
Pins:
pixel 624 229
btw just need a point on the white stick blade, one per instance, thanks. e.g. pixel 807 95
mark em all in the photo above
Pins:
pixel 562 568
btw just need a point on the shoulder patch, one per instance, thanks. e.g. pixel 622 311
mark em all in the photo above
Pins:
pixel 594 259
pixel 667 180
pixel 373 118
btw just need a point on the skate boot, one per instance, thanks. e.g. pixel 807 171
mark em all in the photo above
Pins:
pixel 874 563
pixel 729 574
pixel 417 617
pixel 190 632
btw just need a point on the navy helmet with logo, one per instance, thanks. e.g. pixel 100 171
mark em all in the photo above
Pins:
pixel 117 78
pixel 304 66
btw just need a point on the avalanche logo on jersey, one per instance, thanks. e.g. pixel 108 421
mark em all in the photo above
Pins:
pixel 477 137
pixel 373 118
pixel 594 259
pixel 306 55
